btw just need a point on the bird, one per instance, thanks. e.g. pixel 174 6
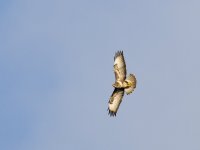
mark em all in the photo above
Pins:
pixel 123 84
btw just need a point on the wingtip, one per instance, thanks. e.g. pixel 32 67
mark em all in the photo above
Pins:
pixel 118 53
pixel 111 113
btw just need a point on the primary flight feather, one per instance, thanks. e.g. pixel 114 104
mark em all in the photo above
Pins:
pixel 122 83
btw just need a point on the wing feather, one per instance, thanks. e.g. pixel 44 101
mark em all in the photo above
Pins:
pixel 119 66
pixel 115 101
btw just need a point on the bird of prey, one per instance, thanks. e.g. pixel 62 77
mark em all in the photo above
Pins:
pixel 122 83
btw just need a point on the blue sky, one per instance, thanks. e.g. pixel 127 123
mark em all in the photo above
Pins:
pixel 56 64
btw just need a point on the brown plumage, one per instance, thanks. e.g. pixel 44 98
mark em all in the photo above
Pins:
pixel 122 83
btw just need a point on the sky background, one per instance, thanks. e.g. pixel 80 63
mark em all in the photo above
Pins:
pixel 56 74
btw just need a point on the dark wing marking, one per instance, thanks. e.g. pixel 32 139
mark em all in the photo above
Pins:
pixel 115 101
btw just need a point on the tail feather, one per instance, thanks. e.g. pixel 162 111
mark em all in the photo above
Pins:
pixel 132 81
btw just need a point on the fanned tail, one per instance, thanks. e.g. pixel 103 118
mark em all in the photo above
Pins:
pixel 132 81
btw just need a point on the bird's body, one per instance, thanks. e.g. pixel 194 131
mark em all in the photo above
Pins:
pixel 122 83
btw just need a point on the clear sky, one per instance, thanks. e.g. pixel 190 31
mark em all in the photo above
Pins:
pixel 56 74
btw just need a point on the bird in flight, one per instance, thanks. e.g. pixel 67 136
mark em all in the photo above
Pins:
pixel 122 83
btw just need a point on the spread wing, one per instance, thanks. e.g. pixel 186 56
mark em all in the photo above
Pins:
pixel 119 66
pixel 115 100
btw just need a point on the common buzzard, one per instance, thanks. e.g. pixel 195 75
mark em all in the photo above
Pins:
pixel 122 83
